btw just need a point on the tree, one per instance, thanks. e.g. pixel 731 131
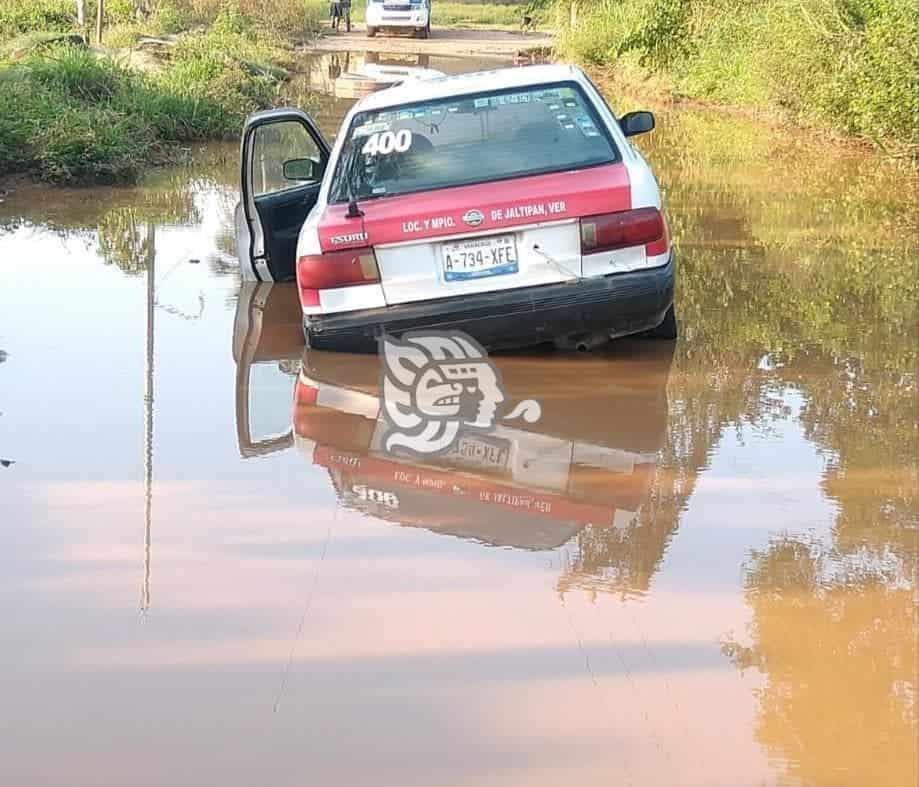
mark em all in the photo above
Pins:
pixel 833 636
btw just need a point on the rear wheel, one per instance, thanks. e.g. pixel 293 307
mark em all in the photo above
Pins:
pixel 667 329
pixel 371 31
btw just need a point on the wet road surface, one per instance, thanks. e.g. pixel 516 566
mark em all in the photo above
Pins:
pixel 469 42
pixel 698 568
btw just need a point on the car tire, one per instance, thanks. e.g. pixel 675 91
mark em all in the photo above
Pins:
pixel 371 31
pixel 667 329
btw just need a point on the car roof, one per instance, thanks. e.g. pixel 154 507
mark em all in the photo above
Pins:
pixel 415 90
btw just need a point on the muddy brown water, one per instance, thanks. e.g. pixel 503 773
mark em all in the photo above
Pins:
pixel 698 568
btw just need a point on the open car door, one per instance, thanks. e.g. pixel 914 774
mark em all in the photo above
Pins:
pixel 283 158
pixel 267 347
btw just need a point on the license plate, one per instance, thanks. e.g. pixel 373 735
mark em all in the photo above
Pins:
pixel 478 257
pixel 480 452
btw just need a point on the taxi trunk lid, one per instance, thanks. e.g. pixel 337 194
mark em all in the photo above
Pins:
pixel 519 232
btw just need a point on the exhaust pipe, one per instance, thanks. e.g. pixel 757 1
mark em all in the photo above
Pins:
pixel 582 342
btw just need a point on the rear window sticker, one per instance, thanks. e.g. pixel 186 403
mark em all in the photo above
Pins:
pixel 371 128
pixel 385 142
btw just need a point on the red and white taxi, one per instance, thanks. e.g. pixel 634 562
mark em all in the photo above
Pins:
pixel 508 204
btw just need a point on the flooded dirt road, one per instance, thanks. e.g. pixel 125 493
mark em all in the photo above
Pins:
pixel 471 42
pixel 698 568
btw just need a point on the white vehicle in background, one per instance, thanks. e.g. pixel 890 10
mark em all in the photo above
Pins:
pixel 412 15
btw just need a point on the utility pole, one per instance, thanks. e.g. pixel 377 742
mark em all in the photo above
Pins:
pixel 100 13
pixel 148 415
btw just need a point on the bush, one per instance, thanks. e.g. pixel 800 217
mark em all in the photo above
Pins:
pixel 78 73
pixel 284 17
pixel 72 117
pixel 848 63
pixel 168 19
pixel 89 143
pixel 26 16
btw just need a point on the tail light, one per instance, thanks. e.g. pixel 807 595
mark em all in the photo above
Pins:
pixel 334 269
pixel 639 227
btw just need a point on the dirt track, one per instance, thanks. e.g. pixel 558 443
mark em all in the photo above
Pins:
pixel 443 41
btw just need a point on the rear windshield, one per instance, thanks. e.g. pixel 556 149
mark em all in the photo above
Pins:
pixel 470 139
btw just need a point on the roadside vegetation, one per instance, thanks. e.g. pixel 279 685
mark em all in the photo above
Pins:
pixel 851 65
pixel 72 114
pixel 165 74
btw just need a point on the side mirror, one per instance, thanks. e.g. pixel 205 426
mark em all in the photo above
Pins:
pixel 636 123
pixel 305 169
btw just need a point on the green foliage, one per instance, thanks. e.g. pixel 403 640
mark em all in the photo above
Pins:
pixel 25 16
pixel 71 116
pixel 851 64
pixel 168 19
pixel 78 73
pixel 93 143
pixel 661 34
pixel 279 17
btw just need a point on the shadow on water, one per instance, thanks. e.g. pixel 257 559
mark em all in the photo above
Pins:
pixel 798 290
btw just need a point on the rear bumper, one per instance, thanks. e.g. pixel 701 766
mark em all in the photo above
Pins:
pixel 382 19
pixel 607 306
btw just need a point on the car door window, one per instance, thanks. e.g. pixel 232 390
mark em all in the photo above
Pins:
pixel 275 144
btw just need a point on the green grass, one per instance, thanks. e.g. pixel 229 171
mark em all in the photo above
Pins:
pixel 848 64
pixel 26 16
pixel 289 18
pixel 70 116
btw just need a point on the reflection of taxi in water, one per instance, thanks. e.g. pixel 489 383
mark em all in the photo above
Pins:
pixel 589 460
pixel 508 204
